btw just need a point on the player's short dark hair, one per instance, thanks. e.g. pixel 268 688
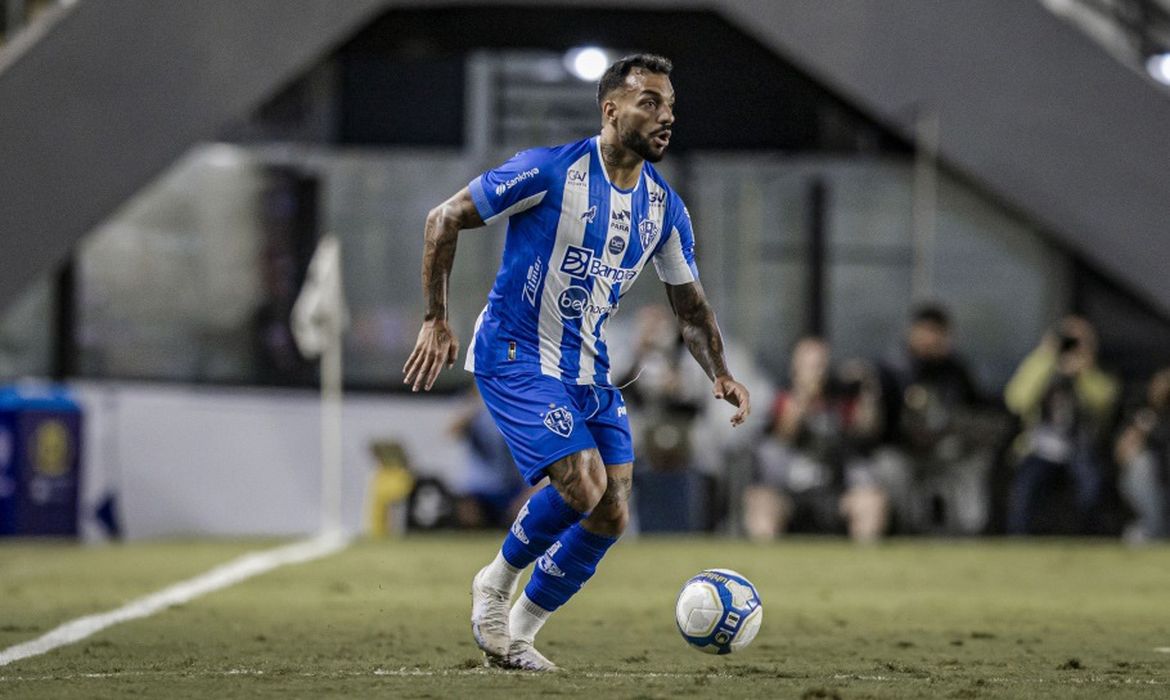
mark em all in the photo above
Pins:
pixel 931 313
pixel 616 74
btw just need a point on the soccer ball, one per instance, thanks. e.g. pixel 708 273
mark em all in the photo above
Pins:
pixel 718 611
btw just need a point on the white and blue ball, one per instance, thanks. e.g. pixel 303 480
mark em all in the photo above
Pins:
pixel 718 611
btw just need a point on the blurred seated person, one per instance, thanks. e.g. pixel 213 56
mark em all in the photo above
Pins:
pixel 1066 404
pixel 937 451
pixel 666 392
pixel 810 473
pixel 492 490
pixel 1143 454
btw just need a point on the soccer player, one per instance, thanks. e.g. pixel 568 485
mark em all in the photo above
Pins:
pixel 583 220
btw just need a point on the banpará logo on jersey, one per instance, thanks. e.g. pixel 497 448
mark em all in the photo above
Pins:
pixel 576 262
pixel 574 303
pixel 616 245
pixel 647 232
pixel 532 281
pixel 579 263
pixel 505 186
pixel 559 420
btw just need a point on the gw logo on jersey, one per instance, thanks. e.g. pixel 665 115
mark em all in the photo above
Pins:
pixel 560 421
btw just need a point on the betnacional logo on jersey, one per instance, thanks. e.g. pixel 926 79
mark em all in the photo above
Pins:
pixel 532 281
pixel 579 263
pixel 620 221
pixel 647 232
pixel 505 186
pixel 560 421
pixel 574 303
pixel 616 245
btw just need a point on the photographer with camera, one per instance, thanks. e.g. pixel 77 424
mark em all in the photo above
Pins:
pixel 935 455
pixel 1066 404
pixel 812 474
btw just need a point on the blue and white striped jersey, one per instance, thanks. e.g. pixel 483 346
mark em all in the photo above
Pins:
pixel 575 244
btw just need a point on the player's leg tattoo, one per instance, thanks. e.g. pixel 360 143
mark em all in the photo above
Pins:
pixel 612 513
pixel 580 479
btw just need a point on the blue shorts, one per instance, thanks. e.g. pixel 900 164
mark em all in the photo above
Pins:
pixel 543 419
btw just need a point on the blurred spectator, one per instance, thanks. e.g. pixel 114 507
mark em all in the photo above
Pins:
pixel 938 439
pixel 492 490
pixel 1066 404
pixel 1143 454
pixel 809 471
pixel 667 394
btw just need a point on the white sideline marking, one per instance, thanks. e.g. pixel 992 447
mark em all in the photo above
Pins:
pixel 222 576
pixel 406 672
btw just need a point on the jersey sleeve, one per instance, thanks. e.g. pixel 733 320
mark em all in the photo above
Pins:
pixel 518 184
pixel 675 258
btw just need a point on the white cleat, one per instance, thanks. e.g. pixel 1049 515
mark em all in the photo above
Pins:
pixel 489 620
pixel 522 656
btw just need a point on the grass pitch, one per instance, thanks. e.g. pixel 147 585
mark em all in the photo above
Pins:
pixel 902 620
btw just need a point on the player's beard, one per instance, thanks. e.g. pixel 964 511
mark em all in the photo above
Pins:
pixel 641 145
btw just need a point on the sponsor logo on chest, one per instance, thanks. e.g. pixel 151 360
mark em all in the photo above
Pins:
pixel 620 221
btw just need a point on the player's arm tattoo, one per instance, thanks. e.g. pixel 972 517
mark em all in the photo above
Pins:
pixel 441 234
pixel 696 321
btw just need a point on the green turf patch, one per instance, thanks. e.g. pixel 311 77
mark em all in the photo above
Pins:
pixel 906 619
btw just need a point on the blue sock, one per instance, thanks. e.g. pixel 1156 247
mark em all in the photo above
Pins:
pixel 566 566
pixel 540 522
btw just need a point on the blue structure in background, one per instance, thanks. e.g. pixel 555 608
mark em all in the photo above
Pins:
pixel 40 460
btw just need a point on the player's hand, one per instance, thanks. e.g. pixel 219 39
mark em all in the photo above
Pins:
pixel 436 346
pixel 735 394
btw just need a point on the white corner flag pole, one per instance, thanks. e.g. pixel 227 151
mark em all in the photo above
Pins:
pixel 319 318
pixel 331 403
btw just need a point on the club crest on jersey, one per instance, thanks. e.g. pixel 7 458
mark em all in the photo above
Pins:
pixel 560 421
pixel 648 232
pixel 616 245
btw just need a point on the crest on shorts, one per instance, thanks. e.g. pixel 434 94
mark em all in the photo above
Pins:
pixel 560 421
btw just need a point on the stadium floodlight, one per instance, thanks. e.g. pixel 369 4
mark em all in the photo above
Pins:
pixel 1159 67
pixel 586 62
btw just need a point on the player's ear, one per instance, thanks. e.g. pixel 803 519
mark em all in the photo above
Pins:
pixel 608 111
